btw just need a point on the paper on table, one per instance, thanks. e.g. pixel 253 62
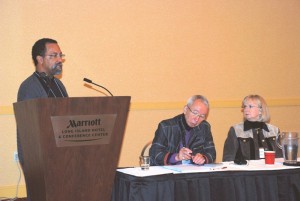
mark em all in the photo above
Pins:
pixel 138 172
pixel 189 168
pixel 255 165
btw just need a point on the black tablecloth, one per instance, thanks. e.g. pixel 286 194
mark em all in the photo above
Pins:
pixel 275 185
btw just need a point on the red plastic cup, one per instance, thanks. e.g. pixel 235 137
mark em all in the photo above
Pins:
pixel 270 157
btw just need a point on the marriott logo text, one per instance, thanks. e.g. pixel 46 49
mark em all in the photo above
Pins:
pixel 75 124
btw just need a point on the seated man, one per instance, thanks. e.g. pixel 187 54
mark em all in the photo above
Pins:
pixel 186 138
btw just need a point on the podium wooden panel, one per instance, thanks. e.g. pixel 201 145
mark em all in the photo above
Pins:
pixel 70 173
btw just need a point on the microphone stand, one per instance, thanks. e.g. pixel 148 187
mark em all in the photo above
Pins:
pixel 90 81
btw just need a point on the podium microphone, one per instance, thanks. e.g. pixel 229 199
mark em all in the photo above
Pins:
pixel 90 81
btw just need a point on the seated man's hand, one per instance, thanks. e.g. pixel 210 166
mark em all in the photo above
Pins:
pixel 198 159
pixel 184 154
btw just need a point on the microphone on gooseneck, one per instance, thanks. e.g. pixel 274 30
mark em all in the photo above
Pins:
pixel 90 81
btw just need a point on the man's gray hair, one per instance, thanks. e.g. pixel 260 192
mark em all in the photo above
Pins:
pixel 203 99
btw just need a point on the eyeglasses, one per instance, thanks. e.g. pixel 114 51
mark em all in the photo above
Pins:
pixel 196 114
pixel 55 55
pixel 250 106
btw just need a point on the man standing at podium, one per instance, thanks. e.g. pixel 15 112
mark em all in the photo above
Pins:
pixel 48 59
pixel 185 138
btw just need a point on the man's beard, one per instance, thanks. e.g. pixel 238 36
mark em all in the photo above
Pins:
pixel 56 69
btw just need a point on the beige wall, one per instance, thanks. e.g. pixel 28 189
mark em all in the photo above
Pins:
pixel 159 52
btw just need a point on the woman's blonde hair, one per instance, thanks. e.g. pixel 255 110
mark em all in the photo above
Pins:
pixel 262 105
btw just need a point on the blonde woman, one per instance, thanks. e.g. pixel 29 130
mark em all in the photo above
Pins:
pixel 254 135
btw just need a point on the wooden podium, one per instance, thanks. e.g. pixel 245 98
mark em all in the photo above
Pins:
pixel 71 146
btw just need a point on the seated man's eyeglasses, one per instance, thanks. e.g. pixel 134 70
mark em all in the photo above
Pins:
pixel 196 114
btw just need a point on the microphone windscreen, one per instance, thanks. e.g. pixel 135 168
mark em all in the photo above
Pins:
pixel 87 80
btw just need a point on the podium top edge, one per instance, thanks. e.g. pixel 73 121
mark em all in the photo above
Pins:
pixel 85 97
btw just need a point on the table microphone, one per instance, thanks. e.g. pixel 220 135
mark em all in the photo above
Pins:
pixel 90 81
pixel 239 158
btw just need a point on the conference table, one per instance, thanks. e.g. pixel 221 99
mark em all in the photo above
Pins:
pixel 227 181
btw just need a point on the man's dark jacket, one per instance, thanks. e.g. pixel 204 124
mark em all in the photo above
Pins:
pixel 168 137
